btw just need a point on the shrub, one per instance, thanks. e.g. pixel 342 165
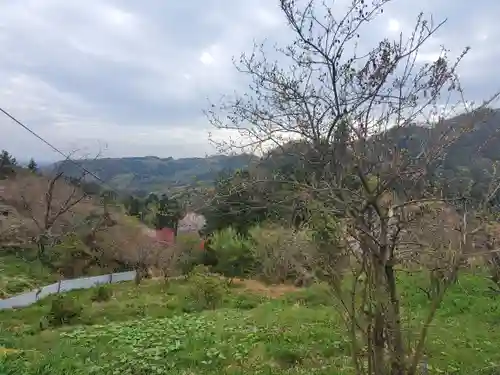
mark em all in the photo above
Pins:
pixel 327 236
pixel 282 254
pixel 64 310
pixel 102 293
pixel 246 301
pixel 233 252
pixel 288 357
pixel 66 256
pixel 204 291
pixel 191 255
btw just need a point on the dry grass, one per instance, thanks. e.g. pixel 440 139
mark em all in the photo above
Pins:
pixel 271 291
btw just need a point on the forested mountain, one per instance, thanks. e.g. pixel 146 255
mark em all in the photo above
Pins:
pixel 468 161
pixel 467 165
pixel 151 173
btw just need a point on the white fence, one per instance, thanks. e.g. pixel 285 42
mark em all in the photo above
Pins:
pixel 29 298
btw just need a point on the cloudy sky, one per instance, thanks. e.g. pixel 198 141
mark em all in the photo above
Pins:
pixel 132 77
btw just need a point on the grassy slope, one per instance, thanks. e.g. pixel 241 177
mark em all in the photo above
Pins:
pixel 18 275
pixel 143 330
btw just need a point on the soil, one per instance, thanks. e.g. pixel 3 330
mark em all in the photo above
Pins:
pixel 272 291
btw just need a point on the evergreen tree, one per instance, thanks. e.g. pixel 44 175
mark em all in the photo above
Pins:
pixel 7 164
pixel 7 159
pixel 33 166
pixel 168 214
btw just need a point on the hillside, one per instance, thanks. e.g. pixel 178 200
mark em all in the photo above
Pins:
pixel 463 167
pixel 150 173
pixel 471 150
pixel 254 329
pixel 48 219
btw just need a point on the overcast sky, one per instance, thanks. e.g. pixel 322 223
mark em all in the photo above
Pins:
pixel 132 77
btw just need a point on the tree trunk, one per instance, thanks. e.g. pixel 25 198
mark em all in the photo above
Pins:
pixel 394 326
pixel 379 326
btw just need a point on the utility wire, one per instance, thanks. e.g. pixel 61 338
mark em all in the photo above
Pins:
pixel 67 157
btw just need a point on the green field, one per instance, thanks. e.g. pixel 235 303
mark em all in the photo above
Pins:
pixel 154 329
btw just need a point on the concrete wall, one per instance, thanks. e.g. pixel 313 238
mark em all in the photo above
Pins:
pixel 29 298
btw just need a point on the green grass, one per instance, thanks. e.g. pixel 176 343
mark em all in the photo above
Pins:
pixel 18 275
pixel 145 330
pixel 151 299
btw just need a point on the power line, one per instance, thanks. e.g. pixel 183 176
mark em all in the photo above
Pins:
pixel 66 157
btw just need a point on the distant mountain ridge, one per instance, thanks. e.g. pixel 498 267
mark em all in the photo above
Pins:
pixel 151 173
pixel 467 163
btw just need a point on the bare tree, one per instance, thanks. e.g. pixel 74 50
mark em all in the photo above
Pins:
pixel 168 259
pixel 350 108
pixel 51 203
pixel 57 201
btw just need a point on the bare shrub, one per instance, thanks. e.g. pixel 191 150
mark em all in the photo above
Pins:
pixel 283 255
pixel 189 251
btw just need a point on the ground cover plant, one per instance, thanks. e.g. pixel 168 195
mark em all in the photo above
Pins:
pixel 295 331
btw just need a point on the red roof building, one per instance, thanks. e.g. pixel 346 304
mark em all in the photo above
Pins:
pixel 166 235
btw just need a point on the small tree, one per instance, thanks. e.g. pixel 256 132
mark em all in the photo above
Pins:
pixel 356 112
pixel 237 202
pixel 233 252
pixel 33 166
pixel 282 254
pixel 7 159
pixel 168 213
pixel 50 203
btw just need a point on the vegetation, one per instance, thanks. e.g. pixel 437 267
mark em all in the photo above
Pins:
pixel 49 222
pixel 142 175
pixel 7 164
pixel 156 211
pixel 143 329
pixel 18 275
pixel 346 109
pixel 365 203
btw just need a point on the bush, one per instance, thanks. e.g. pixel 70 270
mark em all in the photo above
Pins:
pixel 191 253
pixel 233 253
pixel 282 254
pixel 204 291
pixel 63 310
pixel 327 235
pixel 66 256
pixel 102 293
pixel 246 301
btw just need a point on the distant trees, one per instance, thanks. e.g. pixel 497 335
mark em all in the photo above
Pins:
pixel 158 212
pixel 33 166
pixel 7 164
pixel 7 159
pixel 238 202
pixel 168 213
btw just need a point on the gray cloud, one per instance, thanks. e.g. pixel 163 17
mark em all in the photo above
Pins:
pixel 135 76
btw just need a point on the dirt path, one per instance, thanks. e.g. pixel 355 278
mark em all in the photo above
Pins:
pixel 273 291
